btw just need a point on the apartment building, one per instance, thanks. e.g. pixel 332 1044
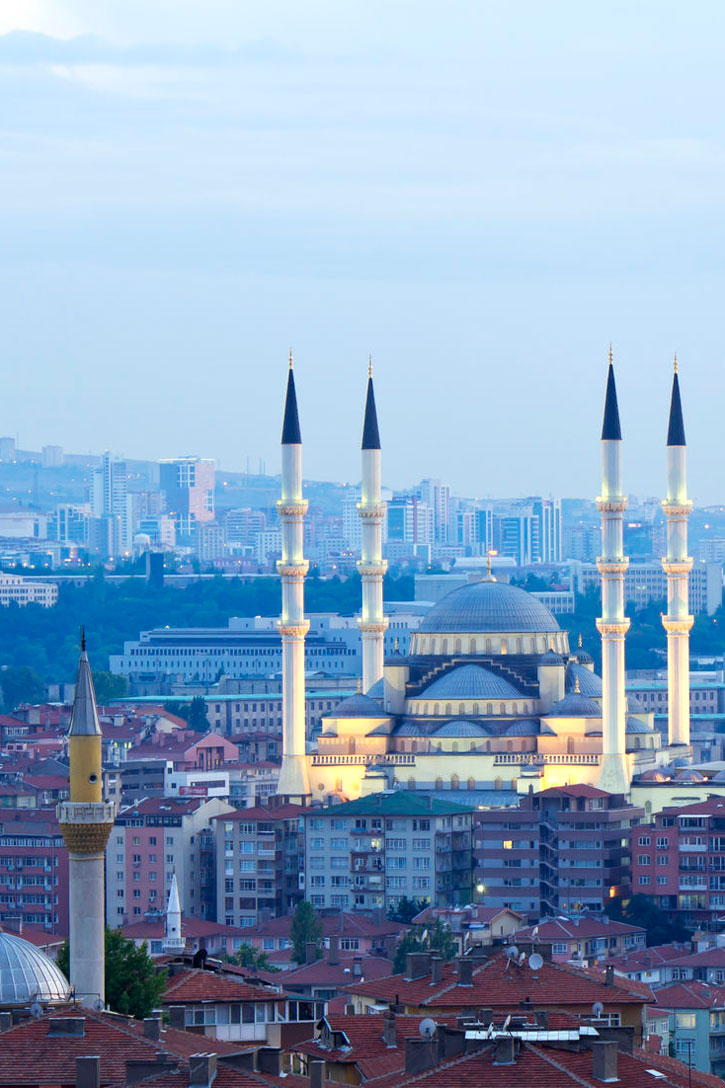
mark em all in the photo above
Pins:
pixel 260 861
pixel 33 870
pixel 565 850
pixel 647 581
pixel 679 860
pixel 368 854
pixel 18 590
pixel 151 841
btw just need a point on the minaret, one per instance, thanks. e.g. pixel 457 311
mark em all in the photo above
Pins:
pixel 173 941
pixel 677 565
pixel 613 624
pixel 85 822
pixel 293 779
pixel 372 566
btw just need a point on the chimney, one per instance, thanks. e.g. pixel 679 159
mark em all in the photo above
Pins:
pixel 417 965
pixel 391 947
pixel 138 1069
pixel 604 1061
pixel 177 1017
pixel 202 1070
pixel 349 1010
pixel 609 975
pixel 269 1060
pixel 357 967
pixel 333 956
pixel 310 952
pixel 542 1019
pixel 6 1020
pixel 436 970
pixel 389 1033
pixel 317 1074
pixel 465 972
pixel 451 1042
pixel 88 1072
pixel 420 1055
pixel 485 1017
pixel 152 1027
pixel 504 1050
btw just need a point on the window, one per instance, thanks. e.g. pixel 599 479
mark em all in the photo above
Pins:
pixel 560 948
pixel 643 840
pixel 644 859
pixel 644 880
pixel 685 1019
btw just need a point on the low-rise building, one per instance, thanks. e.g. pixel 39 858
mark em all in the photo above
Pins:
pixel 588 941
pixel 21 591
pixel 697 1023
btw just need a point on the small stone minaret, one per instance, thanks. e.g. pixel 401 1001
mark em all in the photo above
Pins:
pixel 613 624
pixel 292 567
pixel 85 823
pixel 173 941
pixel 372 566
pixel 677 565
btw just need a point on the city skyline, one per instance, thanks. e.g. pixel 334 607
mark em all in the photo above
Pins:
pixel 181 201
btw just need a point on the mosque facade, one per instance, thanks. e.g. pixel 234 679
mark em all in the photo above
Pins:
pixel 491 695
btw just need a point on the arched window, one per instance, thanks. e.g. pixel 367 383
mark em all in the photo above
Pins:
pixel 411 783
pixel 489 708
pixel 454 746
pixel 449 711
pixel 454 782
pixel 439 784
pixel 488 745
pixel 444 646
pixel 414 746
pixel 436 709
pixel 471 783
pixel 461 709
pixel 488 645
pixel 458 646
pixel 509 746
pixel 472 646
pixel 476 711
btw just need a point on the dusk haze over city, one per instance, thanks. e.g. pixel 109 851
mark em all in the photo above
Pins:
pixel 362 533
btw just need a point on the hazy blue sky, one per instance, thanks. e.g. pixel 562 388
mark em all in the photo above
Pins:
pixel 481 194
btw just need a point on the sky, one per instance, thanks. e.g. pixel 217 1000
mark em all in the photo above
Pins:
pixel 480 194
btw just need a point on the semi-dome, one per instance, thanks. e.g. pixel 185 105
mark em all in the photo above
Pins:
pixel 488 607
pixel 470 682
pixel 462 728
pixel 356 706
pixel 575 705
pixel 589 683
pixel 634 725
pixel 27 974
pixel 525 727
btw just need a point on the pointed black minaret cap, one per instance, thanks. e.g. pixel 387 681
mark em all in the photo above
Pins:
pixel 84 715
pixel 611 429
pixel 371 434
pixel 291 435
pixel 676 429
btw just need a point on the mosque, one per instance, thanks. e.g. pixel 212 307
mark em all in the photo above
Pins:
pixel 491 695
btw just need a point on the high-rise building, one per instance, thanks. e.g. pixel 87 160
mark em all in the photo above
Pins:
pixel 111 505
pixel 438 497
pixel 188 486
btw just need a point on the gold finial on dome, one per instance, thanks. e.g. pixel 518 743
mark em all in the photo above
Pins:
pixel 291 359
pixel 674 363
pixel 611 353
pixel 577 688
pixel 370 366
pixel 580 640
pixel 359 686
pixel 395 645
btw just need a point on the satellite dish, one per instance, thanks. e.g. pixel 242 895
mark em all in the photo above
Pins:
pixel 99 1004
pixel 597 1009
pixel 427 1028
pixel 521 959
pixel 36 1009
pixel 535 933
pixel 512 952
pixel 506 1023
pixel 536 961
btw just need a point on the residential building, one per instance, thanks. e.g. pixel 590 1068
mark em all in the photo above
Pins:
pixel 33 870
pixel 646 581
pixel 150 842
pixel 588 941
pixel 564 850
pixel 697 1024
pixel 111 505
pixel 356 934
pixel 260 862
pixel 370 853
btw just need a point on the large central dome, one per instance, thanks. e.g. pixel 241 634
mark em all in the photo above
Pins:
pixel 27 974
pixel 488 607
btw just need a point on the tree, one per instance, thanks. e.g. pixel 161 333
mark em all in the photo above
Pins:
pixel 108 686
pixel 306 928
pixel 133 985
pixel 406 909
pixel 249 956
pixel 441 941
pixel 641 910
pixel 196 717
pixel 21 685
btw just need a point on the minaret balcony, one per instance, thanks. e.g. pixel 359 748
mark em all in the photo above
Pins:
pixel 613 628
pixel 675 567
pixel 679 626
pixel 293 630
pixel 677 509
pixel 368 628
pixel 612 566
pixel 371 511
pixel 292 509
pixel 368 568
pixel 294 571
pixel 611 504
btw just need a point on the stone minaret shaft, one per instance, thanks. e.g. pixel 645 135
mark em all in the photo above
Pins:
pixel 372 566
pixel 292 567
pixel 85 822
pixel 613 624
pixel 677 565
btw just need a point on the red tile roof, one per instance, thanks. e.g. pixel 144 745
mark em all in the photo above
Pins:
pixel 199 985
pixel 342 923
pixel 264 812
pixel 691 995
pixel 557 929
pixel 497 984
pixel 709 957
pixel 337 974
pixel 652 957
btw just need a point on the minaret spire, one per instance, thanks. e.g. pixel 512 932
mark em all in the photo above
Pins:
pixel 612 625
pixel 372 566
pixel 292 567
pixel 173 940
pixel 677 565
pixel 85 822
